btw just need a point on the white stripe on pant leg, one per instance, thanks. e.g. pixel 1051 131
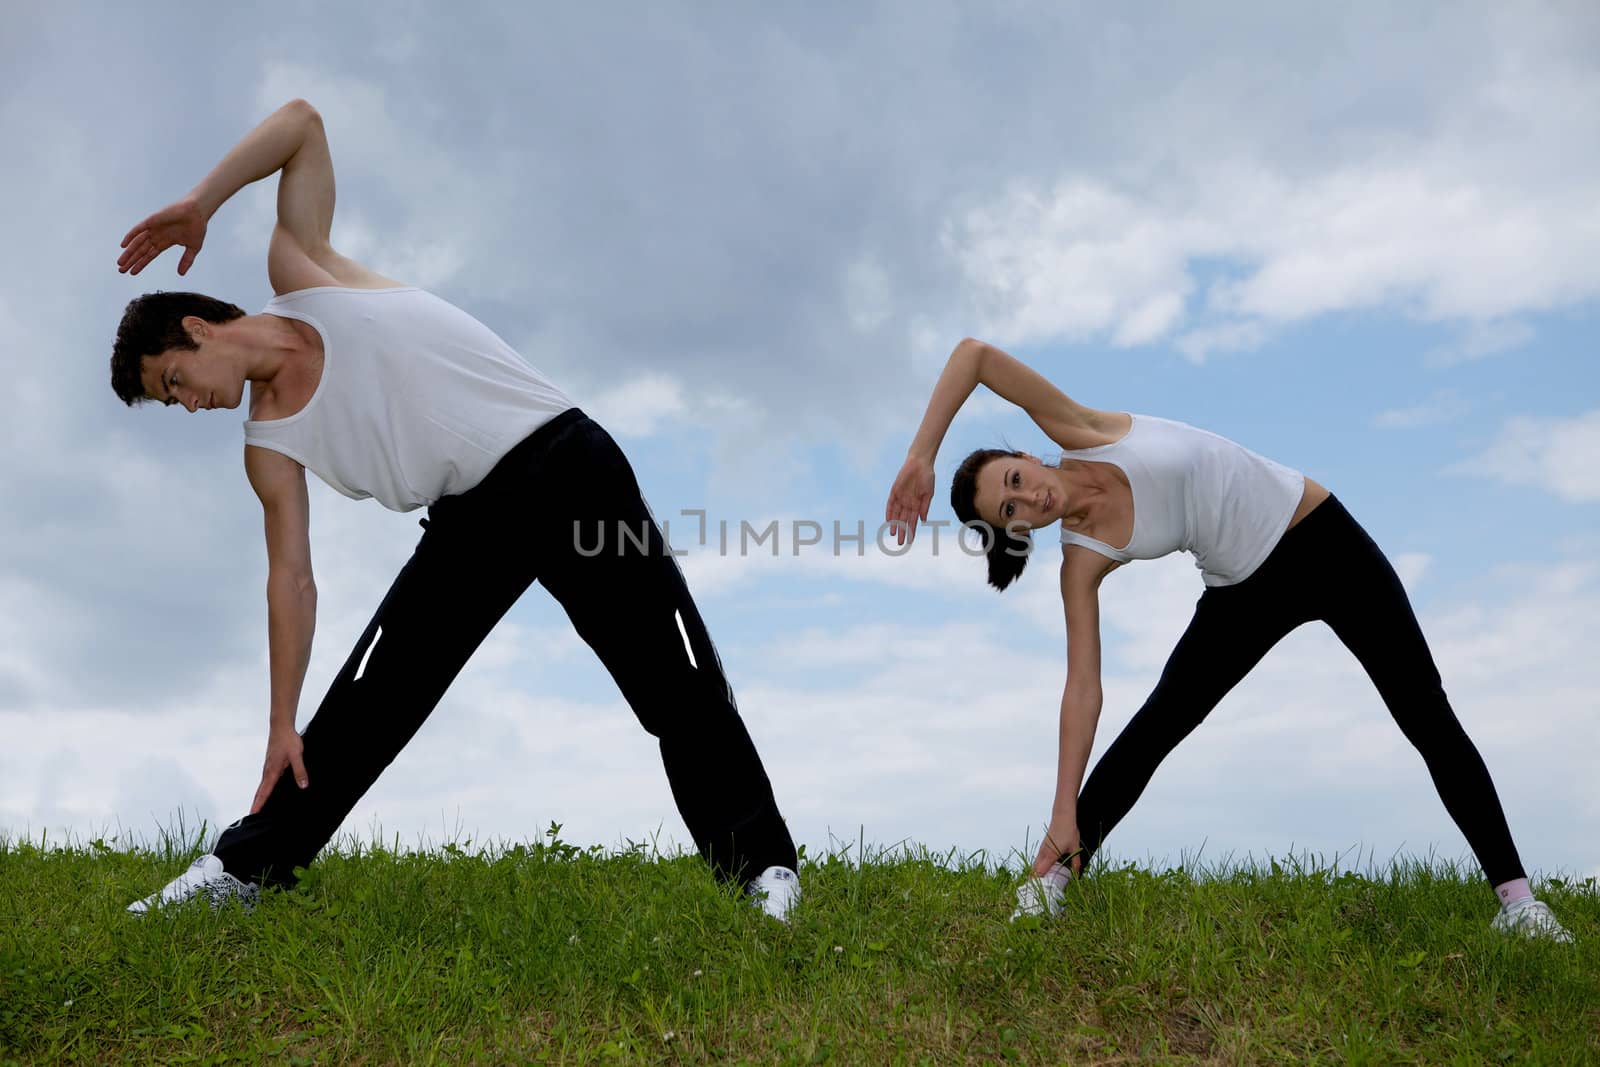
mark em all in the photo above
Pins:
pixel 683 633
pixel 362 669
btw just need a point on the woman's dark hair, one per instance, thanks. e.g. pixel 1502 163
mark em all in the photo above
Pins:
pixel 152 324
pixel 1007 553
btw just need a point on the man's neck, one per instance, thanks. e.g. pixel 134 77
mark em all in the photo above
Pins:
pixel 268 342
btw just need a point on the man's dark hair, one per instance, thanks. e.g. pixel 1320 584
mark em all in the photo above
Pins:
pixel 1007 553
pixel 152 324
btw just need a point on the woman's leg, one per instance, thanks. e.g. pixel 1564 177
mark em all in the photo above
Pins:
pixel 1232 628
pixel 1369 611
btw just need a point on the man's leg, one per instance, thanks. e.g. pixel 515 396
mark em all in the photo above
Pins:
pixel 633 608
pixel 456 586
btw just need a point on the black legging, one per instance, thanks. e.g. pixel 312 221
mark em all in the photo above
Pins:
pixel 540 514
pixel 1325 568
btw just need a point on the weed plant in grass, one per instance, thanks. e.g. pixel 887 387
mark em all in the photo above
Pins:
pixel 546 952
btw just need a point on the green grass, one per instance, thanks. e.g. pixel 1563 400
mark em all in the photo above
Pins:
pixel 547 952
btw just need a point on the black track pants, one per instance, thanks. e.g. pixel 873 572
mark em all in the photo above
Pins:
pixel 540 514
pixel 1325 568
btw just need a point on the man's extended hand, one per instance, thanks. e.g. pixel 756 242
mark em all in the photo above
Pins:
pixel 181 223
pixel 284 749
pixel 909 497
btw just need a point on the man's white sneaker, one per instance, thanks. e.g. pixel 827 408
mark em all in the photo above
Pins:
pixel 206 879
pixel 1533 919
pixel 775 891
pixel 1042 896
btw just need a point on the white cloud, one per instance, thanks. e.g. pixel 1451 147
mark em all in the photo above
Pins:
pixel 637 407
pixel 1560 455
pixel 1236 336
pixel 867 296
pixel 1084 257
pixel 1446 405
pixel 1480 340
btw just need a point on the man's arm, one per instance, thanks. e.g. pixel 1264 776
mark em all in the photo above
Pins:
pixel 291 141
pixel 280 482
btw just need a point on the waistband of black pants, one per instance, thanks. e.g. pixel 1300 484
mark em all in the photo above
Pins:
pixel 530 449
pixel 537 442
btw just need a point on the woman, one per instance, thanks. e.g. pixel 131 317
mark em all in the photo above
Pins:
pixel 1276 550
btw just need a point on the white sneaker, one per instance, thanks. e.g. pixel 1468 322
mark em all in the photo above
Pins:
pixel 1533 919
pixel 1042 896
pixel 775 891
pixel 204 878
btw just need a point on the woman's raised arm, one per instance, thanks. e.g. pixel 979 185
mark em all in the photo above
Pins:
pixel 973 363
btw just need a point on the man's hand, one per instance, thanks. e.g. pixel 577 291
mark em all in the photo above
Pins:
pixel 909 497
pixel 182 223
pixel 284 749
pixel 1060 842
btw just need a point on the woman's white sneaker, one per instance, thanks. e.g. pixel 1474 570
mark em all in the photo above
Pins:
pixel 205 878
pixel 1533 919
pixel 775 891
pixel 1042 896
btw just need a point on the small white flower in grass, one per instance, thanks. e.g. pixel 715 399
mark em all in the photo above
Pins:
pixel 66 1004
pixel 669 1035
pixel 838 948
pixel 573 940
pixel 697 973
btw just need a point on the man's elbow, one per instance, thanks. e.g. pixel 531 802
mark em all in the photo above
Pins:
pixel 302 110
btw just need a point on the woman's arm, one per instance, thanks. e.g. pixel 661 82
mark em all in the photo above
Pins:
pixel 1081 698
pixel 1068 423
pixel 973 363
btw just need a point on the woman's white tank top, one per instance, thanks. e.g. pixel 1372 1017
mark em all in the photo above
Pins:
pixel 1194 491
pixel 418 400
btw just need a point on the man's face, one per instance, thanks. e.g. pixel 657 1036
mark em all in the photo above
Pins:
pixel 190 378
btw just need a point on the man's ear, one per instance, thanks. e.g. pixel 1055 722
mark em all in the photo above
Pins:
pixel 197 328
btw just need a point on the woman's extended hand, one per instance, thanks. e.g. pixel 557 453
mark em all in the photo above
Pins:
pixel 1060 843
pixel 909 498
pixel 181 223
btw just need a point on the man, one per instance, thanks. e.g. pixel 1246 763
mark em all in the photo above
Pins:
pixel 386 391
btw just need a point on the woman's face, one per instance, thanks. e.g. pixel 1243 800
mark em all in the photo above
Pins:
pixel 1019 492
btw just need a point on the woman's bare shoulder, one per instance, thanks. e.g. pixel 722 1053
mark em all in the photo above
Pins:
pixel 1095 427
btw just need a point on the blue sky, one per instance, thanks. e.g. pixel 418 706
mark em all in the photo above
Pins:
pixel 1359 242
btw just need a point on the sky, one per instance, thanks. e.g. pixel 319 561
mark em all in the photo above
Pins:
pixel 1361 241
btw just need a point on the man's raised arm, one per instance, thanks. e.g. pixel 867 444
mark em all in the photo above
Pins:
pixel 280 482
pixel 291 140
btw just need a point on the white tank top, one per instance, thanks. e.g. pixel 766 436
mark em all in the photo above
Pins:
pixel 1194 491
pixel 418 400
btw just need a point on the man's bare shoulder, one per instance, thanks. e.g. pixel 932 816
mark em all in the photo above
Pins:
pixel 290 268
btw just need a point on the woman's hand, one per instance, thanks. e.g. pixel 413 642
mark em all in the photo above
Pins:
pixel 181 223
pixel 1060 842
pixel 909 498
pixel 284 750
